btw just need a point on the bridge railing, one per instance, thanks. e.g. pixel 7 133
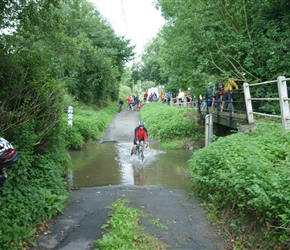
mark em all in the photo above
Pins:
pixel 283 101
pixel 177 102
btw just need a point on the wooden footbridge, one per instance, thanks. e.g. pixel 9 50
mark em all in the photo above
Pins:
pixel 242 107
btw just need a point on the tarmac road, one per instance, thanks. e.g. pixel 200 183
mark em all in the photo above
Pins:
pixel 85 213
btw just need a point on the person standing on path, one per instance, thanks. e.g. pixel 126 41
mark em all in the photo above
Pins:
pixel 120 105
pixel 227 98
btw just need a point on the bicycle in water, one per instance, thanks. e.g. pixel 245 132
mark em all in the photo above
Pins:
pixel 140 137
pixel 139 150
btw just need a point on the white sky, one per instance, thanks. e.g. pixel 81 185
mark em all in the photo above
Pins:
pixel 137 20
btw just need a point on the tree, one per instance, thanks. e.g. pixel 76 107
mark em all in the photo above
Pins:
pixel 100 54
pixel 202 40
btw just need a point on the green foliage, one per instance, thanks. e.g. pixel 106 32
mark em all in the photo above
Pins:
pixel 88 124
pixel 96 57
pixel 34 191
pixel 170 124
pixel 247 175
pixel 159 225
pixel 203 41
pixel 50 49
pixel 124 231
pixel 125 91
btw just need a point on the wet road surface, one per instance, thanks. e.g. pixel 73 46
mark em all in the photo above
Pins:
pixel 85 213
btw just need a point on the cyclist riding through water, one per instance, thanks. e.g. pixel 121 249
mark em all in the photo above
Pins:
pixel 140 136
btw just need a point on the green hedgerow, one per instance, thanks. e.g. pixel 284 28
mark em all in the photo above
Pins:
pixel 248 174
pixel 168 123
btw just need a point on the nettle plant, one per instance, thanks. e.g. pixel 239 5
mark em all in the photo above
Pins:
pixel 247 175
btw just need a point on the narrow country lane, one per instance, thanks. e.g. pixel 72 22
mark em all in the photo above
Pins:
pixel 85 212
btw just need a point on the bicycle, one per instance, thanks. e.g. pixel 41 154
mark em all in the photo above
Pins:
pixel 130 106
pixel 139 151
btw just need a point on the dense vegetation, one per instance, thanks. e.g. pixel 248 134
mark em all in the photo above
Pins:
pixel 244 179
pixel 53 54
pixel 207 41
pixel 173 127
pixel 36 189
pixel 57 53
pixel 88 125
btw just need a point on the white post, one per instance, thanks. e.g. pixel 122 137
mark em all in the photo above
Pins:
pixel 70 115
pixel 284 106
pixel 185 102
pixel 248 102
pixel 208 129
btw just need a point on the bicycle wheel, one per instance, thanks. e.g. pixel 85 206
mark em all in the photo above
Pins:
pixel 138 150
pixel 141 155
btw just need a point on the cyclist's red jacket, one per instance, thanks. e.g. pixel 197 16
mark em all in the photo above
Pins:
pixel 141 134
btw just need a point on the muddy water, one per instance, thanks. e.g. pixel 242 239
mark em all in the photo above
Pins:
pixel 111 164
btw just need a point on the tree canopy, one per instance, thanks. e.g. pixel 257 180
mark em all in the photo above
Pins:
pixel 209 40
pixel 52 48
pixel 54 53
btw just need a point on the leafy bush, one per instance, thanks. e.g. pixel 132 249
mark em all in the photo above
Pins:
pixel 167 123
pixel 88 124
pixel 248 175
pixel 34 191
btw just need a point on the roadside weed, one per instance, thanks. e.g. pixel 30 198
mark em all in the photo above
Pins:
pixel 124 232
pixel 158 225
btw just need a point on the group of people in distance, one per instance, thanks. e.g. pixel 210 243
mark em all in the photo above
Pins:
pixel 137 101
pixel 134 101
pixel 182 96
pixel 221 93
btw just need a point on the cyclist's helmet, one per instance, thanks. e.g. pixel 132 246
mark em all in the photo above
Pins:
pixel 8 154
pixel 141 124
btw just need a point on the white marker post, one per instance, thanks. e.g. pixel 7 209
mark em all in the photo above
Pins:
pixel 70 115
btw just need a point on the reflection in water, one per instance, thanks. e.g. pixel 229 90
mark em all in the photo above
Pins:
pixel 140 178
pixel 112 164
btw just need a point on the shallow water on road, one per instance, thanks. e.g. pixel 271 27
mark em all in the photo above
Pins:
pixel 111 164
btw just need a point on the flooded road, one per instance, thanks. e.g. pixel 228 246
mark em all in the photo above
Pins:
pixel 109 161
pixel 105 172
pixel 111 164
